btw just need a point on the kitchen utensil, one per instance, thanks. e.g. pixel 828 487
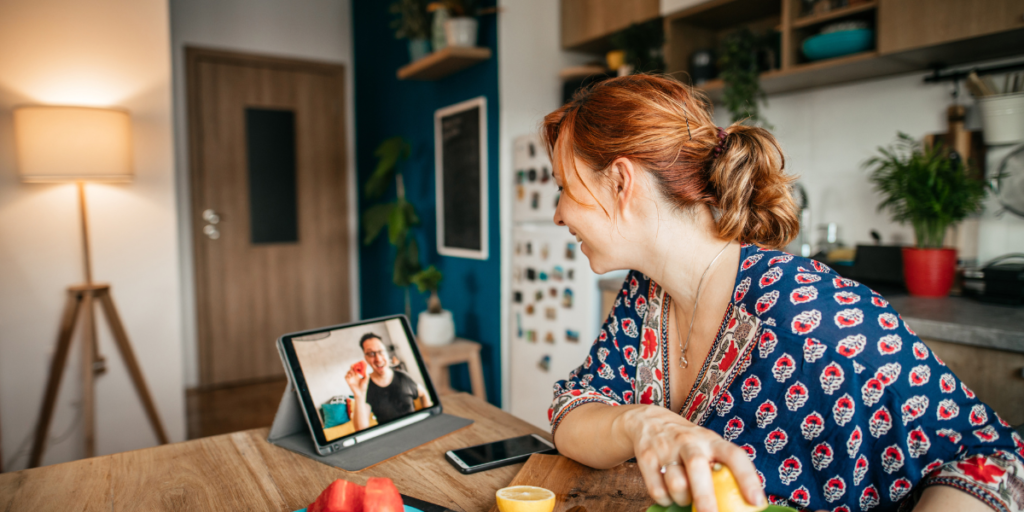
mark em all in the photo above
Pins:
pixel 1002 118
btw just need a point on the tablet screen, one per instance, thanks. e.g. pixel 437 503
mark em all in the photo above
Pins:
pixel 357 377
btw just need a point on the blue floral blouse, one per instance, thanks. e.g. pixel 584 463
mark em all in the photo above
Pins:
pixel 837 402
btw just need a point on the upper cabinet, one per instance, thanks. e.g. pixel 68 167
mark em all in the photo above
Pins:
pixel 905 35
pixel 586 24
pixel 915 24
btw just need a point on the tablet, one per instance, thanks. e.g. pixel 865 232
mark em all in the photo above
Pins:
pixel 358 381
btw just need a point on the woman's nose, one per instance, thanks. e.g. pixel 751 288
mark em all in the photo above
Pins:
pixel 558 216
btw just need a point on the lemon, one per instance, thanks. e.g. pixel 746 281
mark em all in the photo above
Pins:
pixel 525 498
pixel 727 491
pixel 727 494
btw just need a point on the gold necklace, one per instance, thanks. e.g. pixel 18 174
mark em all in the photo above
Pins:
pixel 683 362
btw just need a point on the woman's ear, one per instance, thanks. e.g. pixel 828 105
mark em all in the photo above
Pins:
pixel 623 177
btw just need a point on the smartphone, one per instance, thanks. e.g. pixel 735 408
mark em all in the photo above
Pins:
pixel 497 454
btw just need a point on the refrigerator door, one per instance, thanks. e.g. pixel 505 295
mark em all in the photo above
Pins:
pixel 554 316
pixel 536 194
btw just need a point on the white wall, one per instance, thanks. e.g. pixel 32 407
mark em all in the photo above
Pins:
pixel 828 132
pixel 529 59
pixel 310 29
pixel 98 53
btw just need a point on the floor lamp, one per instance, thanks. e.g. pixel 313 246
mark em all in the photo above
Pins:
pixel 79 144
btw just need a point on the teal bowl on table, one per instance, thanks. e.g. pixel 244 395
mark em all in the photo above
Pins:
pixel 838 44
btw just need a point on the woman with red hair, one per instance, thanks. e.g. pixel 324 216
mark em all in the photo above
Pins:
pixel 722 349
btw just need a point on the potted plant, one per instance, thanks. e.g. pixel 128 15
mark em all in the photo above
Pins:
pixel 400 216
pixel 434 326
pixel 740 69
pixel 461 29
pixel 924 186
pixel 412 24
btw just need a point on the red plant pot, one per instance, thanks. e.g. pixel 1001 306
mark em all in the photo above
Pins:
pixel 929 272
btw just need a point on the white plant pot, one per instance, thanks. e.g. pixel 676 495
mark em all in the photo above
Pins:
pixel 435 329
pixel 1002 118
pixel 461 31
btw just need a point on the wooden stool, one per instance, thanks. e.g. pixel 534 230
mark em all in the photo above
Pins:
pixel 438 359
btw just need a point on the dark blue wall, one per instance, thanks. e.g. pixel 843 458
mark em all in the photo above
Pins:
pixel 385 107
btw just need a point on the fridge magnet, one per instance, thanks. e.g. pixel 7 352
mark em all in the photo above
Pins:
pixel 553 292
pixel 531 274
pixel 517 297
pixel 520 192
pixel 529 248
pixel 531 149
pixel 517 274
pixel 531 336
pixel 543 276
pixel 544 175
pixel 544 363
pixel 529 309
pixel 532 175
pixel 519 248
pixel 539 296
pixel 520 177
pixel 567 298
pixel 519 325
pixel 544 251
pixel 570 251
pixel 549 338
pixel 556 273
pixel 535 200
pixel 550 313
pixel 569 274
pixel 570 336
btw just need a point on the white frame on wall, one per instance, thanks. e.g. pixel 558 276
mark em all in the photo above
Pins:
pixel 482 254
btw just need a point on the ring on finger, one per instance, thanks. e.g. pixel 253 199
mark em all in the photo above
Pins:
pixel 665 467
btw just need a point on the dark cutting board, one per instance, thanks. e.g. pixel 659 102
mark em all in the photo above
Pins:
pixel 578 488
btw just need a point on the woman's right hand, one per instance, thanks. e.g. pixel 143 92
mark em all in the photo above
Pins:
pixel 663 439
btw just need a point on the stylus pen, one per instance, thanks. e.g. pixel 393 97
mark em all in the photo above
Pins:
pixel 392 426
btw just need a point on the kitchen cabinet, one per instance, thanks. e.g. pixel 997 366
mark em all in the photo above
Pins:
pixel 586 24
pixel 910 35
pixel 994 375
pixel 913 24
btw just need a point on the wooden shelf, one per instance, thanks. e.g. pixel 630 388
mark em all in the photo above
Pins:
pixel 443 62
pixel 815 19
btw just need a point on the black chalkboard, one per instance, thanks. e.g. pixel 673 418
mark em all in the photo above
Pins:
pixel 461 179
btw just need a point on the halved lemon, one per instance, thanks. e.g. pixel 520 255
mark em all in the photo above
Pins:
pixel 525 498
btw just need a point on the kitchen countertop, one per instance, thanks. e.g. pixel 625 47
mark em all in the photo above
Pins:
pixel 953 319
pixel 963 320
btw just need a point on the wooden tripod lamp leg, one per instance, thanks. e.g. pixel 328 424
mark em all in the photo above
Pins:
pixel 60 357
pixel 121 337
pixel 89 343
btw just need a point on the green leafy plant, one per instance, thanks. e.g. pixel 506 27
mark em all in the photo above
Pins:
pixel 738 68
pixel 924 186
pixel 411 21
pixel 428 280
pixel 642 43
pixel 399 216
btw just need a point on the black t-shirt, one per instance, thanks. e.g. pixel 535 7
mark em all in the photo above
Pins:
pixel 395 400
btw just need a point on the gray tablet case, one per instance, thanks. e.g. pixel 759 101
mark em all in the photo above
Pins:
pixel 291 432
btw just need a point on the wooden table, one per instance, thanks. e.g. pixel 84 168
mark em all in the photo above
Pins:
pixel 242 471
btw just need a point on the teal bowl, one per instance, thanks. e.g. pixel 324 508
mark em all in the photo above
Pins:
pixel 838 44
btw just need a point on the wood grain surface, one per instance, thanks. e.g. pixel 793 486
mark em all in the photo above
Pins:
pixel 578 488
pixel 242 471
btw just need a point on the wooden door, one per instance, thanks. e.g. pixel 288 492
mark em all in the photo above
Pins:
pixel 269 207
pixel 910 24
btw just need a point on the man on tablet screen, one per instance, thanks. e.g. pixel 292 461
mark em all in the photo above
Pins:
pixel 385 392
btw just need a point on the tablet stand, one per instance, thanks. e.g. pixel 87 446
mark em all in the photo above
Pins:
pixel 290 431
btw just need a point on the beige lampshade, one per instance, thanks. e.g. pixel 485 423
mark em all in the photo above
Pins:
pixel 56 144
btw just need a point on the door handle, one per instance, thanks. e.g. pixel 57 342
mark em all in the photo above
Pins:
pixel 210 230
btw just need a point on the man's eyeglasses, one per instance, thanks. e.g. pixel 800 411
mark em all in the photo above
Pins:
pixel 375 353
